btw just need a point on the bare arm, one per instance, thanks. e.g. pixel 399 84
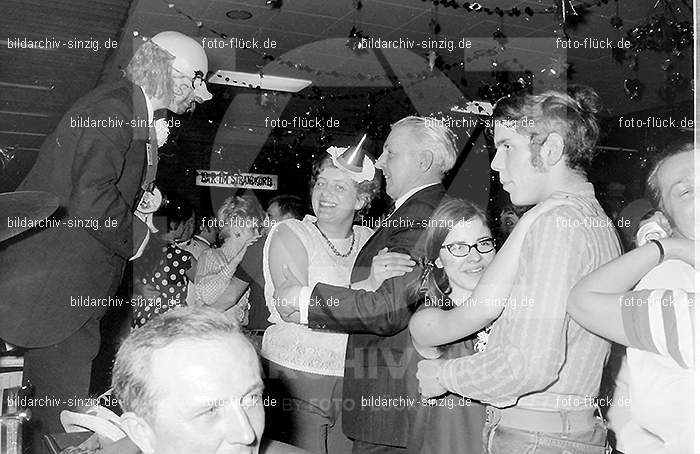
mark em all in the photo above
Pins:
pixel 287 251
pixel 595 301
pixel 433 326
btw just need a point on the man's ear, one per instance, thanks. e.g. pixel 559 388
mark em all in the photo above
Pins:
pixel 361 202
pixel 663 222
pixel 552 150
pixel 139 431
pixel 425 159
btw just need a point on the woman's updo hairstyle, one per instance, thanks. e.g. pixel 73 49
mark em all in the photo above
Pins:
pixel 367 190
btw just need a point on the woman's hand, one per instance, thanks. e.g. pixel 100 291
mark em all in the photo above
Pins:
pixel 235 247
pixel 386 265
pixel 655 227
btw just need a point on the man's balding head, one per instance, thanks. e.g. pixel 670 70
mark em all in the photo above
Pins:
pixel 189 381
pixel 418 151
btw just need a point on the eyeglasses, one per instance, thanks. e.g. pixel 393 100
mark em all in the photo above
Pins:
pixel 462 249
pixel 197 80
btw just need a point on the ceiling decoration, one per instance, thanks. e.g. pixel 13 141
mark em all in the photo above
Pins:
pixel 38 86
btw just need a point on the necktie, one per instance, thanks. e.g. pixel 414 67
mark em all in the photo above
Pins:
pixel 391 209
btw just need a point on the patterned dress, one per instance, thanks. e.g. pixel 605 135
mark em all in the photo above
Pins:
pixel 168 278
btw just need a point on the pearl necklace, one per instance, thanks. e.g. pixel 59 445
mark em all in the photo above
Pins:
pixel 332 246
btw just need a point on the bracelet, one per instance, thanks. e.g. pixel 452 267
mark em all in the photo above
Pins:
pixel 661 249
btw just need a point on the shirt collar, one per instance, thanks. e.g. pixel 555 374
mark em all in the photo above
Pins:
pixel 203 240
pixel 401 200
pixel 584 189
pixel 183 244
pixel 149 106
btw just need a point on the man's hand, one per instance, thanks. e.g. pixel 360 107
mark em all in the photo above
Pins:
pixel 386 265
pixel 286 296
pixel 428 373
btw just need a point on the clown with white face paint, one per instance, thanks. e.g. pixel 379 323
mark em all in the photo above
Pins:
pixel 188 70
pixel 99 161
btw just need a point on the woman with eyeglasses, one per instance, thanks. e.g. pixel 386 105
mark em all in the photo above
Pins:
pixel 459 247
pixel 456 302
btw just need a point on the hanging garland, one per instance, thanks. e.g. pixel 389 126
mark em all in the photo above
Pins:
pixel 662 32
pixel 562 7
pixel 505 82
pixel 267 57
pixel 394 80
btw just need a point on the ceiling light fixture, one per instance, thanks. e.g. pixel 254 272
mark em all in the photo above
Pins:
pixel 256 80
pixel 239 14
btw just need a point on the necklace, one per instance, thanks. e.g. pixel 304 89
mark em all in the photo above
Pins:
pixel 332 246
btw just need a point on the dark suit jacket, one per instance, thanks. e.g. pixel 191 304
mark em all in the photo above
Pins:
pixel 379 350
pixel 97 173
pixel 250 270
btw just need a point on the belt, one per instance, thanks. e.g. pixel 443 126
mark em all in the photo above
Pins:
pixel 563 421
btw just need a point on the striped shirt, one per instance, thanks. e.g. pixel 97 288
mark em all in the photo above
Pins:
pixel 661 321
pixel 661 392
pixel 537 356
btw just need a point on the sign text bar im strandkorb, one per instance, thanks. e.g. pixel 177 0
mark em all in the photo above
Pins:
pixel 225 179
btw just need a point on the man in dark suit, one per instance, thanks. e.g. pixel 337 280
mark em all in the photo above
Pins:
pixel 56 282
pixel 376 401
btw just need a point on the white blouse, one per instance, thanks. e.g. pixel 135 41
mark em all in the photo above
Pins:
pixel 296 346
